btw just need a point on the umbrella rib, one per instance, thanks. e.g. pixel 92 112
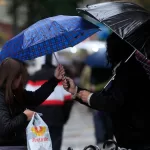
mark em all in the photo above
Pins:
pixel 65 35
pixel 114 15
pixel 88 13
pixel 129 28
pixel 117 15
pixel 119 21
pixel 145 42
pixel 63 29
pixel 59 35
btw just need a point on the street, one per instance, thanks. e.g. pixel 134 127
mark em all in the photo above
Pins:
pixel 79 131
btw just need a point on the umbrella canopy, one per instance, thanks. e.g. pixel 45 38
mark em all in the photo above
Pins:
pixel 98 59
pixel 128 20
pixel 47 36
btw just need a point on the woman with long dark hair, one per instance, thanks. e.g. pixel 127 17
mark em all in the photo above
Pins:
pixel 126 98
pixel 16 104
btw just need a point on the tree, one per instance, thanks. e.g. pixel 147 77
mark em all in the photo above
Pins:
pixel 145 3
pixel 39 9
pixel 13 10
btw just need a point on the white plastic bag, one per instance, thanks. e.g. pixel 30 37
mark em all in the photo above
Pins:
pixel 38 137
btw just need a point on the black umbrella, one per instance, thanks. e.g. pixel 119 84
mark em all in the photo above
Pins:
pixel 128 20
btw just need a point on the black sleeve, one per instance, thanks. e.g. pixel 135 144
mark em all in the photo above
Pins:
pixel 80 100
pixel 33 99
pixel 109 100
pixel 9 125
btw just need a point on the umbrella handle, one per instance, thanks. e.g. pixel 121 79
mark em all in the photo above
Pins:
pixel 64 75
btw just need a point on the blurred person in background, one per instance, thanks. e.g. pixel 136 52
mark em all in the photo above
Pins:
pixel 78 67
pixel 85 77
pixel 16 104
pixel 102 121
pixel 56 109
pixel 91 80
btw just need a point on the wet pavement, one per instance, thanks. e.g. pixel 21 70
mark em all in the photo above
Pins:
pixel 79 131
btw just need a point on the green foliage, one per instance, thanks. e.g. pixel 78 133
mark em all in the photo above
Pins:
pixel 39 9
pixel 145 3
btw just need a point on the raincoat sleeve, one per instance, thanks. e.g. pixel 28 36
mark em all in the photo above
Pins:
pixel 9 125
pixel 109 100
pixel 40 95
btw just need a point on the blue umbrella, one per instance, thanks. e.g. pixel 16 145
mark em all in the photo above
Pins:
pixel 47 36
pixel 98 59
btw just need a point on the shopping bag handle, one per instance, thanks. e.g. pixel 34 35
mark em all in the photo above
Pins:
pixel 37 115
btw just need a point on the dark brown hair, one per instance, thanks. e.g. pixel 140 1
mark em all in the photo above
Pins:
pixel 117 49
pixel 11 69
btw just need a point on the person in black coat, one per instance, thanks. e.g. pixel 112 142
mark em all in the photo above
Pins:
pixel 126 97
pixel 16 103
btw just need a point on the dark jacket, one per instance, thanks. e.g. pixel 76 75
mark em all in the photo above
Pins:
pixel 13 122
pixel 127 99
pixel 56 109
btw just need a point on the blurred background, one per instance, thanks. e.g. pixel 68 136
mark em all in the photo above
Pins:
pixel 16 15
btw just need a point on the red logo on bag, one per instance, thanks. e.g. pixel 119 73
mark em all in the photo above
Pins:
pixel 38 131
pixel 40 139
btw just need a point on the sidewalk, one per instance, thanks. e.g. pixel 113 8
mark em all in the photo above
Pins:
pixel 79 131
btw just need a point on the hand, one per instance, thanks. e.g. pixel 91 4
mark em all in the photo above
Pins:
pixel 84 95
pixel 59 72
pixel 29 114
pixel 72 86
